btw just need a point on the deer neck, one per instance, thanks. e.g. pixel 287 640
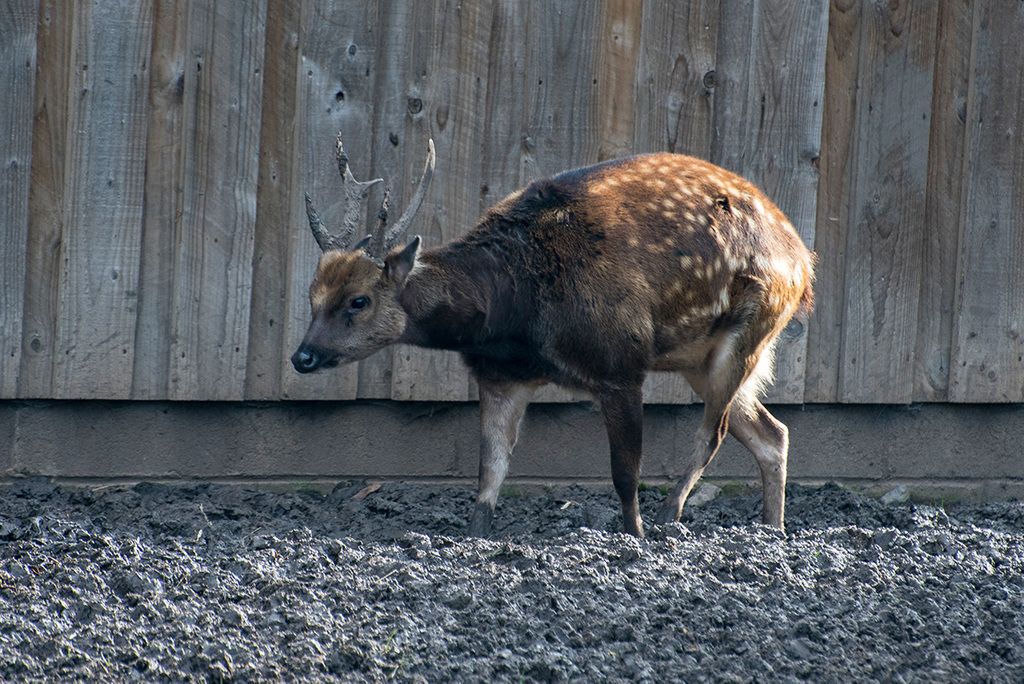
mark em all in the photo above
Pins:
pixel 447 305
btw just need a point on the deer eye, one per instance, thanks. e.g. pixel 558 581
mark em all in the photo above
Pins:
pixel 359 303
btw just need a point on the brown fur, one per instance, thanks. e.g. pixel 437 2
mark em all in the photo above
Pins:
pixel 589 280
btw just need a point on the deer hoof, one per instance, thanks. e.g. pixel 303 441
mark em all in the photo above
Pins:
pixel 668 514
pixel 480 523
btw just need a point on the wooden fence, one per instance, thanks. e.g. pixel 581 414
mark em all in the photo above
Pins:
pixel 155 155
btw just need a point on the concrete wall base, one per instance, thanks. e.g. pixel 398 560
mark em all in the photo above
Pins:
pixel 958 450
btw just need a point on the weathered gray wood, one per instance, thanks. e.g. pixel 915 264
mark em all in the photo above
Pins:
pixel 133 171
pixel 337 69
pixel 267 356
pixel 675 88
pixel 988 349
pixel 453 54
pixel 397 84
pixel 770 84
pixel 17 83
pixel 46 200
pixel 825 333
pixel 103 190
pixel 162 217
pixel 617 34
pixel 213 259
pixel 943 202
pixel 884 241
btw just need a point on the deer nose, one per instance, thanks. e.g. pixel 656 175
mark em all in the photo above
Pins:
pixel 305 360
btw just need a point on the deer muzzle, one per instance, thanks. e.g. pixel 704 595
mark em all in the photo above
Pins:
pixel 308 358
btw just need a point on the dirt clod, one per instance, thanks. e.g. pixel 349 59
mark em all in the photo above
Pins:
pixel 218 583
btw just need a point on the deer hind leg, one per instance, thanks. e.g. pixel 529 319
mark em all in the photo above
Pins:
pixel 502 407
pixel 729 374
pixel 768 440
pixel 623 413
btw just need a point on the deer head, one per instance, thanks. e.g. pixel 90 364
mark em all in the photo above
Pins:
pixel 354 294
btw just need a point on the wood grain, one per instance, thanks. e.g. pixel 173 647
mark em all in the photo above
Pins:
pixel 158 248
pixel 267 358
pixel 103 189
pixel 164 199
pixel 336 71
pixel 213 253
pixel 560 117
pixel 46 200
pixel 17 82
pixel 675 96
pixel 768 116
pixel 675 85
pixel 885 234
pixel 453 54
pixel 825 332
pixel 944 201
pixel 988 349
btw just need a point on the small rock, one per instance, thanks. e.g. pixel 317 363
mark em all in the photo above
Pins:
pixel 705 493
pixel 899 494
pixel 415 540
pixel 334 550
pixel 883 538
pixel 798 648
pixel 628 554
pixel 232 616
pixel 459 601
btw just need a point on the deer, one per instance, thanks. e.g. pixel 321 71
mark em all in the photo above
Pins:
pixel 589 279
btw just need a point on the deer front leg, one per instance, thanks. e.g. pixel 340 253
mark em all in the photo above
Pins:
pixel 502 406
pixel 624 417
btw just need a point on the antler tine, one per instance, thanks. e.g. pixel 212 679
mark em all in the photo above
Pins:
pixel 355 193
pixel 375 246
pixel 323 238
pixel 402 225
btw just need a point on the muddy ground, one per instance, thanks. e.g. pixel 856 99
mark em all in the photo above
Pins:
pixel 218 583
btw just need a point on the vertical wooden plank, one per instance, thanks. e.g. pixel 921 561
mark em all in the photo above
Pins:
pixel 162 217
pixel 676 77
pixel 674 110
pixel 46 199
pixel 560 103
pixel 615 77
pixel 337 67
pixel 103 187
pixel 403 29
pixel 504 111
pixel 213 260
pixel 988 351
pixel 946 169
pixel 884 242
pixel 17 82
pixel 267 357
pixel 455 60
pixel 451 47
pixel 768 115
pixel 825 334
pixel 560 110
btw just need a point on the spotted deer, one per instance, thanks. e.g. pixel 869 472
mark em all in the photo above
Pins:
pixel 589 279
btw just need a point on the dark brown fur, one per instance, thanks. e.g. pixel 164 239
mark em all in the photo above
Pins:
pixel 590 280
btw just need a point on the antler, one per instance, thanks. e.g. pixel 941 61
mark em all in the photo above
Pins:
pixel 355 192
pixel 382 239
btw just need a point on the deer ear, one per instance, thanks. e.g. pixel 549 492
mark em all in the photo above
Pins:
pixel 397 266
